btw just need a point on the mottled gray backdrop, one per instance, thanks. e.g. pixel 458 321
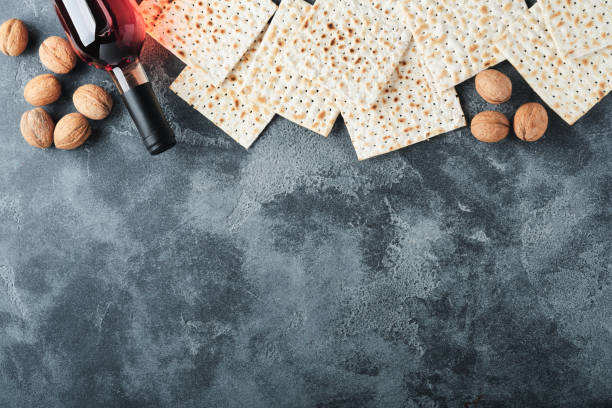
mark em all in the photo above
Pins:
pixel 452 273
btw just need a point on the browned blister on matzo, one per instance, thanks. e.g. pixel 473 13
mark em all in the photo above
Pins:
pixel 151 10
pixel 569 87
pixel 349 47
pixel 224 105
pixel 456 38
pixel 212 35
pixel 279 86
pixel 578 27
pixel 408 111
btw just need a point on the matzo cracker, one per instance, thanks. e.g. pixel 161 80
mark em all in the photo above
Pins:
pixel 408 111
pixel 578 27
pixel 569 87
pixel 456 38
pixel 280 86
pixel 224 105
pixel 349 47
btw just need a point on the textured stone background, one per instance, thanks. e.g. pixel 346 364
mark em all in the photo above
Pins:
pixel 452 273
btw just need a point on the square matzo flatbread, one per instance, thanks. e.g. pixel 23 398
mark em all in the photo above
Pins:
pixel 349 47
pixel 569 87
pixel 578 27
pixel 212 35
pixel 456 38
pixel 280 86
pixel 408 111
pixel 223 105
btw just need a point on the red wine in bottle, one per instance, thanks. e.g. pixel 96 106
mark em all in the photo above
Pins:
pixel 109 34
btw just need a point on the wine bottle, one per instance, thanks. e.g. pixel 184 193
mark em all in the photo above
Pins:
pixel 109 34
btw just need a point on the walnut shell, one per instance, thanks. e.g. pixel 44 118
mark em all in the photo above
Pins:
pixel 93 102
pixel 42 90
pixel 57 55
pixel 493 86
pixel 37 128
pixel 530 122
pixel 13 37
pixel 490 127
pixel 71 131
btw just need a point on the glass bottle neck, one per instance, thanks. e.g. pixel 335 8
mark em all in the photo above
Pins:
pixel 129 76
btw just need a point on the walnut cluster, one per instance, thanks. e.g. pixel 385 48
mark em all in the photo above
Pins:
pixel 530 121
pixel 37 125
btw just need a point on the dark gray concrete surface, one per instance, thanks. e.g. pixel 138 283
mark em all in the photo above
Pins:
pixel 450 274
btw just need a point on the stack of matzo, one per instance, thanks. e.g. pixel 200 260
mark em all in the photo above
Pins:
pixel 571 87
pixel 358 52
pixel 388 66
pixel 310 64
pixel 408 110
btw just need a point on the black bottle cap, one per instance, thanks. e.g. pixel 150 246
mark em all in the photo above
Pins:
pixel 149 118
